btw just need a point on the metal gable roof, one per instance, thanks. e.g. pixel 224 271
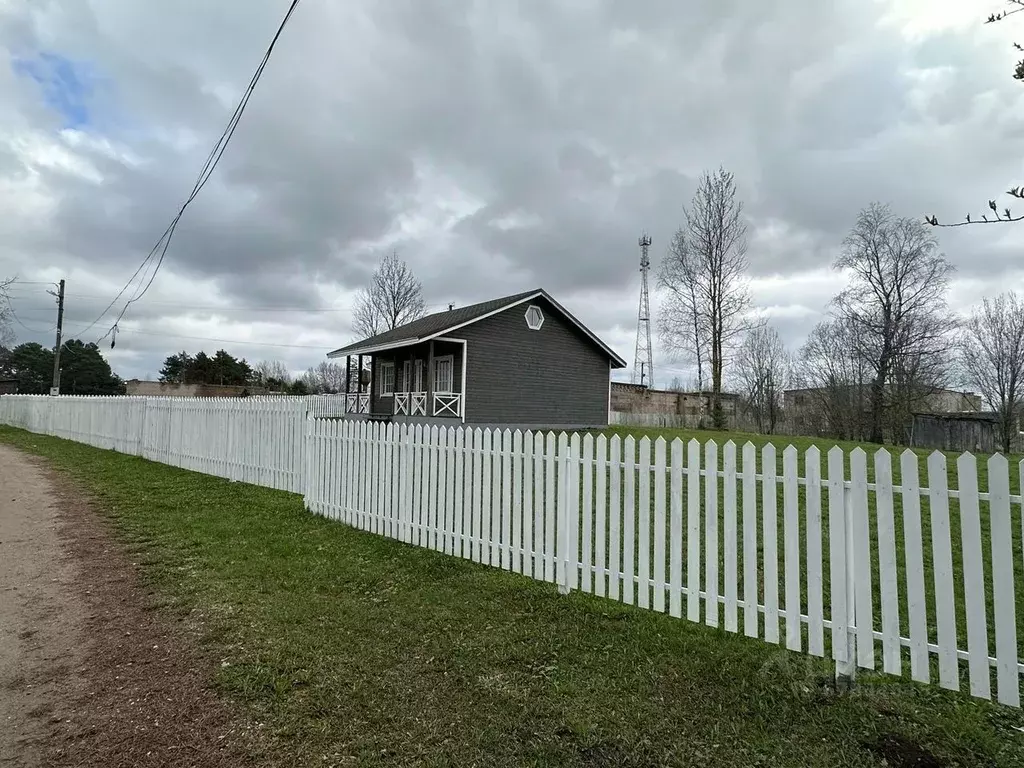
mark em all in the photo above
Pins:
pixel 440 323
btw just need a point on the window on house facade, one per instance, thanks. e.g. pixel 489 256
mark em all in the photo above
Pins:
pixel 534 317
pixel 407 376
pixel 387 379
pixel 444 373
pixel 418 377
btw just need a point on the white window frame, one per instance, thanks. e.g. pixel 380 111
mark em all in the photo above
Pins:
pixel 386 388
pixel 534 326
pixel 419 378
pixel 450 359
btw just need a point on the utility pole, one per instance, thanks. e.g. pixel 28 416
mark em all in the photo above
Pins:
pixel 55 389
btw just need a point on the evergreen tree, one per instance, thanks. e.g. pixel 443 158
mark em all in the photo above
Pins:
pixel 176 368
pixel 201 371
pixel 32 365
pixel 84 371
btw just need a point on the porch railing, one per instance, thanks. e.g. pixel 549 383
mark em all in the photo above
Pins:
pixel 357 403
pixel 411 403
pixel 448 404
pixel 418 404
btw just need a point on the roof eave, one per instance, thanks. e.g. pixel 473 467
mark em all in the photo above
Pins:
pixel 356 349
pixel 616 361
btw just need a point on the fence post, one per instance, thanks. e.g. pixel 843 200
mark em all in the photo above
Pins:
pixel 568 513
pixel 307 464
pixel 846 671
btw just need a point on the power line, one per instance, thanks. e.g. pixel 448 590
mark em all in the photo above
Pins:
pixel 226 341
pixel 27 328
pixel 18 320
pixel 211 163
pixel 214 308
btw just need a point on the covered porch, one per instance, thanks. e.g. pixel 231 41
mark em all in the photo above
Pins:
pixel 420 381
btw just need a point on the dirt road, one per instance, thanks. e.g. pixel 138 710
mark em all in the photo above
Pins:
pixel 40 626
pixel 89 674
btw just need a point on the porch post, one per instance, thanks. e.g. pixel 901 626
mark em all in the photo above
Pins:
pixel 348 375
pixel 430 379
pixel 462 395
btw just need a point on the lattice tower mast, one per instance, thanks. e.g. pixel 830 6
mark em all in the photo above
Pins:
pixel 643 359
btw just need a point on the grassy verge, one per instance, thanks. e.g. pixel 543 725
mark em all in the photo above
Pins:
pixel 354 649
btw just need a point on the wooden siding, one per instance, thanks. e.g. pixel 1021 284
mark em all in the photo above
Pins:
pixel 554 377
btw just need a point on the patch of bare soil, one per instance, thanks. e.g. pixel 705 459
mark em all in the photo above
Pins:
pixel 90 674
pixel 901 752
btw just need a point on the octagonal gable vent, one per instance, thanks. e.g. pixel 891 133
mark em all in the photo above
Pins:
pixel 534 317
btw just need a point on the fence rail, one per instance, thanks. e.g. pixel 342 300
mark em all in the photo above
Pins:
pixel 875 561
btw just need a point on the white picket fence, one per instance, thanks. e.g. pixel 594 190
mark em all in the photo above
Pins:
pixel 839 563
pixel 865 560
pixel 257 440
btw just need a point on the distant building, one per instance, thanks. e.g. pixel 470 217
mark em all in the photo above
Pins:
pixel 637 399
pixel 812 410
pixel 163 389
pixel 8 386
pixel 976 432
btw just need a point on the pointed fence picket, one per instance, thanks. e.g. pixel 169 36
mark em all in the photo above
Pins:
pixel 644 525
pixel 659 524
pixel 873 561
pixel 675 576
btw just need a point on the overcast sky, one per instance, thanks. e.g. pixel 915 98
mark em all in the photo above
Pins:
pixel 497 146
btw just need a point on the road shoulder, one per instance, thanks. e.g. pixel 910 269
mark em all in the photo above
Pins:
pixel 91 674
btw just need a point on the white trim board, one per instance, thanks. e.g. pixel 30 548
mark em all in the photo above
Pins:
pixel 465 348
pixel 375 349
pixel 383 365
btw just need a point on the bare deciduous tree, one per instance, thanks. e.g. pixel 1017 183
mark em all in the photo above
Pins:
pixel 1016 6
pixel 833 377
pixel 325 378
pixel 681 324
pixel 704 276
pixel 272 371
pixel 762 372
pixel 6 313
pixel 895 305
pixel 393 297
pixel 992 358
pixel 677 385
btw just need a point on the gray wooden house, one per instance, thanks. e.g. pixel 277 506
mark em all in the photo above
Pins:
pixel 520 361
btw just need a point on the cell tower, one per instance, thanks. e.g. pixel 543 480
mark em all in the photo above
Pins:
pixel 643 361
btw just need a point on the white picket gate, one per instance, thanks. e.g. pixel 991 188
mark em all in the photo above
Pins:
pixel 865 560
pixel 817 562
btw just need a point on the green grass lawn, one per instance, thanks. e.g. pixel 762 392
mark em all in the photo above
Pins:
pixel 355 649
